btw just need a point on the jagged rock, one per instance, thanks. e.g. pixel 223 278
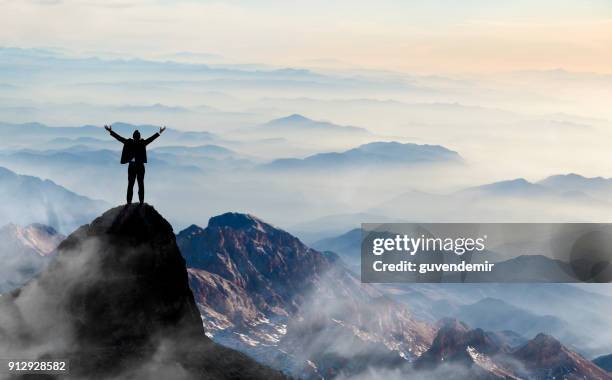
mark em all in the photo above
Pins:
pixel 484 356
pixel 544 357
pixel 116 302
pixel 261 290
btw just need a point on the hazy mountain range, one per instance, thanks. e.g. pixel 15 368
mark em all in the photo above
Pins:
pixel 298 125
pixel 261 291
pixel 484 355
pixel 558 198
pixel 381 154
pixel 31 134
pixel 43 201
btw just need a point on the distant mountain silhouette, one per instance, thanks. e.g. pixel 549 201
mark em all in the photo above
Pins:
pixel 331 226
pixel 26 199
pixel 604 362
pixel 520 200
pixel 263 291
pixel 371 154
pixel 519 187
pixel 298 123
pixel 37 133
pixel 208 150
pixel 65 142
pixel 561 188
pixel 347 246
pixel 491 314
pixel 594 186
pixel 485 356
pixel 585 312
pixel 117 304
pixel 526 269
pixel 71 163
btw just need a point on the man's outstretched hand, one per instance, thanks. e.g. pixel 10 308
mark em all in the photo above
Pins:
pixel 161 130
pixel 108 128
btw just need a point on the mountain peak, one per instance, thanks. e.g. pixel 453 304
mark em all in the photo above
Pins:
pixel 604 362
pixel 294 118
pixel 546 342
pixel 235 220
pixel 452 324
pixel 194 229
pixel 136 223
pixel 546 357
pixel 512 188
pixel 119 302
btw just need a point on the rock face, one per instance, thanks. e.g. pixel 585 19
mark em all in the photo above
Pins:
pixel 273 267
pixel 116 302
pixel 24 252
pixel 35 238
pixel 546 358
pixel 487 355
pixel 451 342
pixel 261 290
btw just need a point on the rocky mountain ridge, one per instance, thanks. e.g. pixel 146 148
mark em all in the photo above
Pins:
pixel 263 291
pixel 118 305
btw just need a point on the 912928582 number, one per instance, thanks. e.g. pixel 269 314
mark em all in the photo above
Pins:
pixel 34 366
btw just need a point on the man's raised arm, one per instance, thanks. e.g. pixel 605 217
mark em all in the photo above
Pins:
pixel 115 135
pixel 150 139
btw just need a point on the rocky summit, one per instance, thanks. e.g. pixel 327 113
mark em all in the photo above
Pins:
pixel 116 303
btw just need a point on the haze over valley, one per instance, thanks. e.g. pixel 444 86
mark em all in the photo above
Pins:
pixel 288 126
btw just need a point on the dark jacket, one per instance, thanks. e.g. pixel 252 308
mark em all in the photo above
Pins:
pixel 133 149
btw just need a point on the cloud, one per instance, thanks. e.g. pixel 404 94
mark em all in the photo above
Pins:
pixel 475 36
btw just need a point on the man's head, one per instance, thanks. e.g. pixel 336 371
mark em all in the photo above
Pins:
pixel 136 135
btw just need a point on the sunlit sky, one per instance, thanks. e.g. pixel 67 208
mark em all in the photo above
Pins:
pixel 427 36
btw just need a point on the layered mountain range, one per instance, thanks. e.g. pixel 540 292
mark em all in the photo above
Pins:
pixel 43 201
pixel 260 290
pixel 488 355
pixel 375 154
pixel 126 291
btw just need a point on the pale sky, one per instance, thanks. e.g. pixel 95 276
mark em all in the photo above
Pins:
pixel 436 36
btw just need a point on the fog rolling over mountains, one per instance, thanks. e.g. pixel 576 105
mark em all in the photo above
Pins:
pixel 314 150
pixel 578 316
pixel 485 355
pixel 32 134
pixel 227 168
pixel 117 304
pixel 262 291
pixel 377 154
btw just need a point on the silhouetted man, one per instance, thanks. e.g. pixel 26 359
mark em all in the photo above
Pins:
pixel 135 154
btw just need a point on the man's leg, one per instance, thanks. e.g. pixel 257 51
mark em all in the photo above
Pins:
pixel 140 175
pixel 131 179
